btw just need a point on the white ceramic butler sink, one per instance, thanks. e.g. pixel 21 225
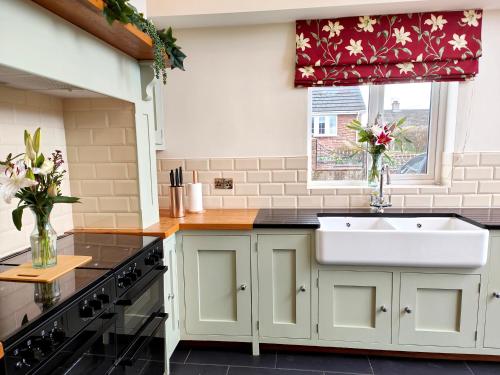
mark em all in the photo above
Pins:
pixel 406 241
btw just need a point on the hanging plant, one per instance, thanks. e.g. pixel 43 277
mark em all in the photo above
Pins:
pixel 165 52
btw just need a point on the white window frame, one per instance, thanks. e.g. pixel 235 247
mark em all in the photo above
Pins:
pixel 375 106
pixel 315 124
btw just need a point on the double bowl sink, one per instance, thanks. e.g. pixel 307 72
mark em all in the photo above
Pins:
pixel 447 242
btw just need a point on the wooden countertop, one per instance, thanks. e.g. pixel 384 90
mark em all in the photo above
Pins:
pixel 220 219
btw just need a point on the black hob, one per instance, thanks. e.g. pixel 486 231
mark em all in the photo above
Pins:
pixel 21 304
pixel 108 251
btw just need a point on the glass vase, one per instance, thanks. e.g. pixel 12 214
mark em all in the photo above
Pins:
pixel 43 240
pixel 47 294
pixel 375 168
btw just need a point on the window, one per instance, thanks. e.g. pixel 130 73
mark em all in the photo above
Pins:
pixel 333 155
pixel 324 126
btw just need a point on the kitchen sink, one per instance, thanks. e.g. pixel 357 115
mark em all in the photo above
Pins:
pixel 401 241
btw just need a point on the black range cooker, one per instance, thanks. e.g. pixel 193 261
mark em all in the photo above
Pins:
pixel 102 318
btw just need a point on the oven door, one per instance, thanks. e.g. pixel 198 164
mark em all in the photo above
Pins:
pixel 139 310
pixel 136 358
pixel 91 351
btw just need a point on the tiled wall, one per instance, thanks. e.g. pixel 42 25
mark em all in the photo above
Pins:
pixel 281 183
pixel 21 110
pixel 102 151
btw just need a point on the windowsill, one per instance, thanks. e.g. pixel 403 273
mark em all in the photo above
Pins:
pixel 398 185
pixel 324 135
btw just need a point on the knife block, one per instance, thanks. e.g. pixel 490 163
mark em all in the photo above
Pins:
pixel 177 201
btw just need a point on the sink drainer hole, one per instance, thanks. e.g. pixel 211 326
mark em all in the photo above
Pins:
pixel 348 225
pixel 419 225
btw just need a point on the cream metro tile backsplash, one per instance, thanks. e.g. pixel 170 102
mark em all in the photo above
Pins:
pixel 21 110
pixel 101 141
pixel 281 183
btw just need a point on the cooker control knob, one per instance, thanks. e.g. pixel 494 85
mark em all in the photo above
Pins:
pixel 86 311
pixel 132 276
pixel 96 304
pixel 149 260
pixel 104 298
pixel 137 272
pixel 57 335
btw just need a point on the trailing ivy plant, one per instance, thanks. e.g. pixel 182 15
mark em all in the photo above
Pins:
pixel 163 40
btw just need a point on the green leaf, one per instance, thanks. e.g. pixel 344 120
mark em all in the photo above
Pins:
pixel 17 216
pixel 39 161
pixel 36 140
pixel 65 199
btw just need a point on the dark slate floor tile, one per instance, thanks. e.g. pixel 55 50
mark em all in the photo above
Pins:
pixel 180 369
pixel 324 362
pixel 154 368
pixel 179 355
pixel 231 357
pixel 485 368
pixel 408 366
pixel 234 370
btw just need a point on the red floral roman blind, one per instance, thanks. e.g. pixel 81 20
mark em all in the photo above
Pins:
pixel 437 46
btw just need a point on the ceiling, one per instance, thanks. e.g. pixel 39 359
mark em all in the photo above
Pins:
pixel 14 78
pixel 192 13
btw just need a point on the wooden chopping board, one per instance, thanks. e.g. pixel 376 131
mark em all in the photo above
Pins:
pixel 26 273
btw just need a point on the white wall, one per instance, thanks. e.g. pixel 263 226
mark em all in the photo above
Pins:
pixel 478 125
pixel 236 98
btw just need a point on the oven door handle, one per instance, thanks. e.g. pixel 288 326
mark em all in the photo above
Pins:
pixel 160 270
pixel 129 358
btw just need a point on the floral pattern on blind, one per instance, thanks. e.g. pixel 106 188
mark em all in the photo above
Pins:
pixel 437 46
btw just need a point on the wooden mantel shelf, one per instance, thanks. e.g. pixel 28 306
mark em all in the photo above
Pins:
pixel 87 14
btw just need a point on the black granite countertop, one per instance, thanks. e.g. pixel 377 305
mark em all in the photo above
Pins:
pixel 488 218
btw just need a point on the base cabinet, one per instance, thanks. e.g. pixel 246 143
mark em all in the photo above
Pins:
pixel 217 285
pixel 355 306
pixel 439 309
pixel 284 286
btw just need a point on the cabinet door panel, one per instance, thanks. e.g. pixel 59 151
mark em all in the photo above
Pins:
pixel 217 284
pixel 438 309
pixel 355 306
pixel 492 332
pixel 284 286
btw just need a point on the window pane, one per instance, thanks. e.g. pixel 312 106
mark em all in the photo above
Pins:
pixel 333 155
pixel 412 101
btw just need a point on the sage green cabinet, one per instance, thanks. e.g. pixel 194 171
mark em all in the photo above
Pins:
pixel 355 306
pixel 438 309
pixel 284 272
pixel 492 328
pixel 171 295
pixel 217 284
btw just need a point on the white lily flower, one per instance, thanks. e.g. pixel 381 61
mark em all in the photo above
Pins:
pixel 307 71
pixel 9 186
pixel 437 23
pixel 302 43
pixel 366 23
pixel 45 169
pixel 471 17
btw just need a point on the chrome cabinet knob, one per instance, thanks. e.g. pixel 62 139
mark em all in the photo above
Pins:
pixel 243 287
pixel 407 310
pixel 383 308
pixel 496 294
pixel 302 288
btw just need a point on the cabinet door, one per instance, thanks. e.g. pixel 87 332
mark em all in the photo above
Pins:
pixel 171 299
pixel 438 309
pixel 217 284
pixel 492 332
pixel 284 286
pixel 355 306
